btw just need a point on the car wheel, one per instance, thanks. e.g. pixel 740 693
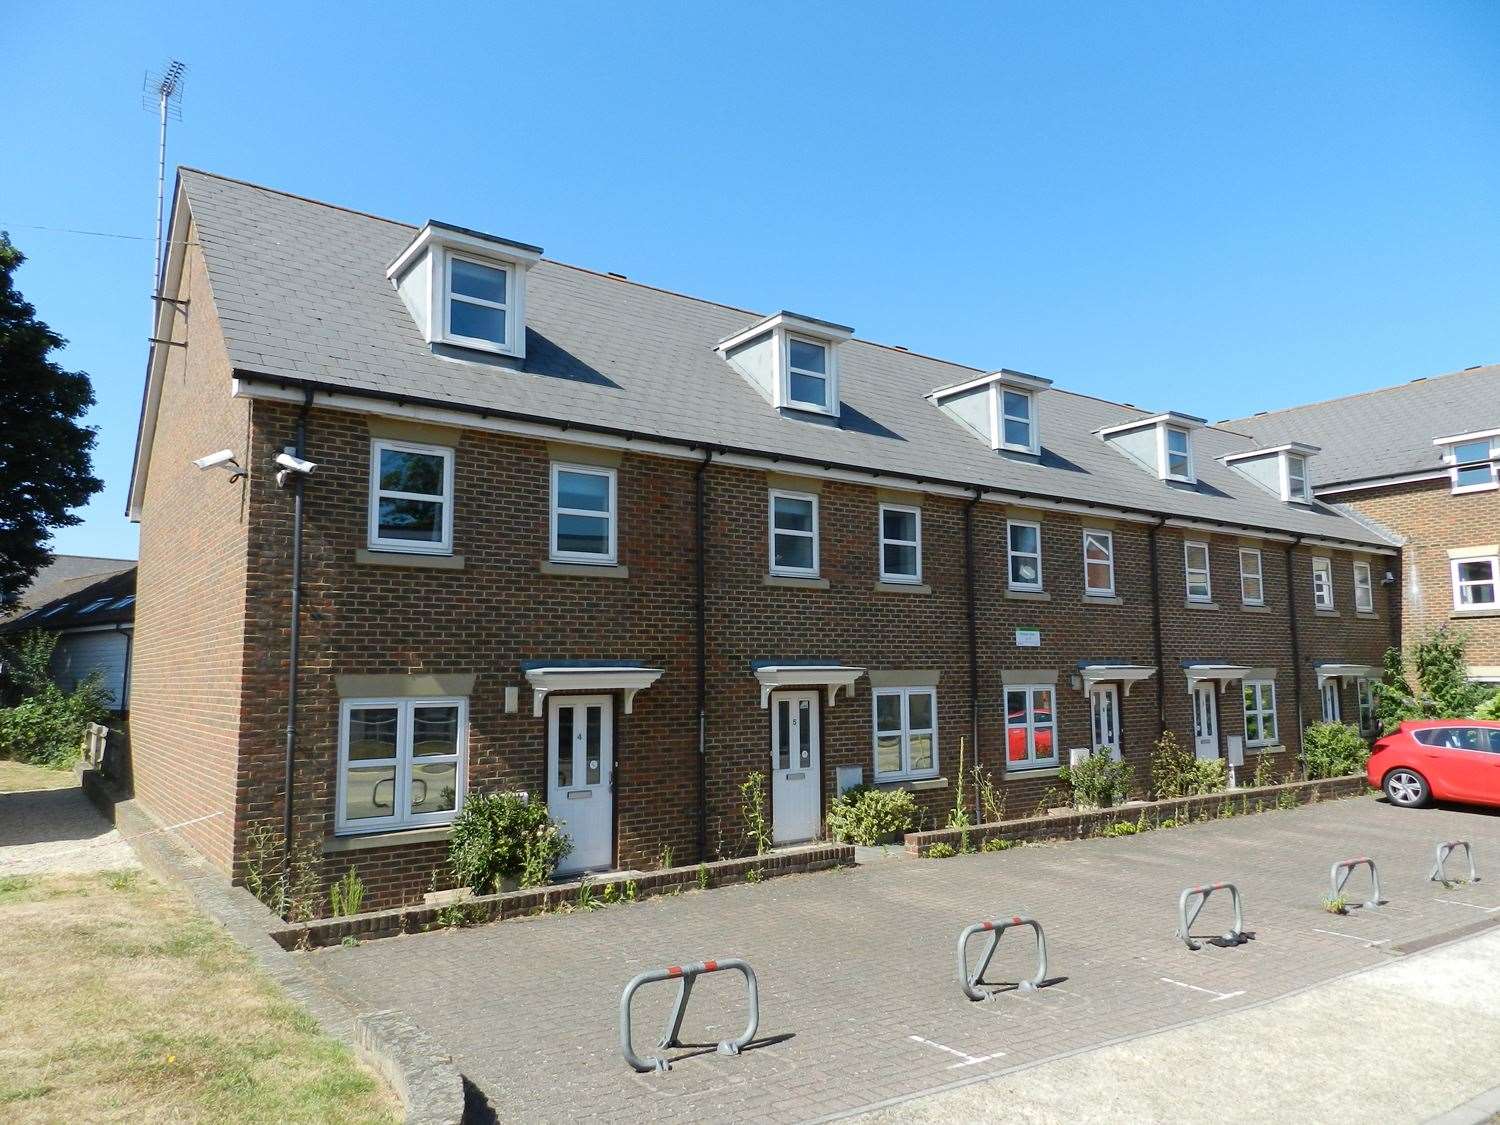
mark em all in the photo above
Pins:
pixel 1406 788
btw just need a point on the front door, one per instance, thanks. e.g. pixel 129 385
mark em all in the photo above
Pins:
pixel 1205 721
pixel 1104 707
pixel 795 762
pixel 580 773
pixel 1330 701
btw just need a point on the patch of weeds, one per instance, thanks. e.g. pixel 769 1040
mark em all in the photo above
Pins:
pixel 628 891
pixel 941 850
pixel 753 812
pixel 754 875
pixel 350 942
pixel 1338 905
pixel 703 878
pixel 1167 823
pixel 666 858
pixel 1120 828
pixel 347 895
pixel 457 916
pixel 121 880
pixel 610 894
pixel 1288 799
pixel 14 886
pixel 998 844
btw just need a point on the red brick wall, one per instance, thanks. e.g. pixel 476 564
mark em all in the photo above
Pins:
pixel 1434 521
pixel 189 614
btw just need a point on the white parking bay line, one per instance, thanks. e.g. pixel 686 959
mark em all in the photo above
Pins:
pixel 1217 996
pixel 967 1059
pixel 1470 905
pixel 1352 937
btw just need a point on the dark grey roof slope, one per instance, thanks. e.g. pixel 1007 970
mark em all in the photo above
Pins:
pixel 81 601
pixel 301 292
pixel 64 574
pixel 1386 432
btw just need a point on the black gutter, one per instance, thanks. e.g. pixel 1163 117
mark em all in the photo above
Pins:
pixel 702 610
pixel 294 645
pixel 1291 601
pixel 973 646
pixel 312 385
pixel 1161 671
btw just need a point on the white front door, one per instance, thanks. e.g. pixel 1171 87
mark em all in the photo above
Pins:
pixel 795 762
pixel 580 770
pixel 1205 720
pixel 1104 707
pixel 1331 701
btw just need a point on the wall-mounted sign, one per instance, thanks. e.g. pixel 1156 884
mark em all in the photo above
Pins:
pixel 1028 638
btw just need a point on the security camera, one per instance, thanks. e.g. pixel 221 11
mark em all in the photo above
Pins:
pixel 224 459
pixel 294 464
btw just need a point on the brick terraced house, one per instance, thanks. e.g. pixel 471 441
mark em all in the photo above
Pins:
pixel 469 518
pixel 1421 462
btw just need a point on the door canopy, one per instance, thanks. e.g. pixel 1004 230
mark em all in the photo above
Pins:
pixel 827 678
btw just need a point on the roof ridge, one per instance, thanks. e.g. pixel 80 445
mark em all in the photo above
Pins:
pixel 293 195
pixel 1475 369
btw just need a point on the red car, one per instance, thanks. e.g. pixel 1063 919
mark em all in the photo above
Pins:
pixel 1450 759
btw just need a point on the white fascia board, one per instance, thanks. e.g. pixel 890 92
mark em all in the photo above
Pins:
pixel 1170 418
pixel 1018 379
pixel 431 235
pixel 1289 447
pixel 787 322
pixel 164 323
pixel 1463 439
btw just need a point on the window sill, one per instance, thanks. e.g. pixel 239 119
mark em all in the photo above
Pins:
pixel 1326 613
pixel 1475 612
pixel 363 557
pixel 902 588
pixel 1103 599
pixel 1255 608
pixel 1265 748
pixel 789 582
pixel 912 784
pixel 1367 614
pixel 1013 773
pixel 371 840
pixel 1192 603
pixel 1028 595
pixel 584 570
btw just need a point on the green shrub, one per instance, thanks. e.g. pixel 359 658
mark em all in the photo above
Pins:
pixel 1334 750
pixel 865 815
pixel 500 836
pixel 1431 681
pixel 941 851
pixel 1120 828
pixel 46 727
pixel 998 844
pixel 1178 772
pixel 1099 780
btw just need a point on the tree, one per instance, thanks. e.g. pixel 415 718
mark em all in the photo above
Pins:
pixel 1443 689
pixel 46 464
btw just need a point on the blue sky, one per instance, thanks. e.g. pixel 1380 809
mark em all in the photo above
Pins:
pixel 1217 208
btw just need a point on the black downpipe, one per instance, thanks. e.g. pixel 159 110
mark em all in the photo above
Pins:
pixel 1161 672
pixel 294 643
pixel 973 647
pixel 1291 602
pixel 702 608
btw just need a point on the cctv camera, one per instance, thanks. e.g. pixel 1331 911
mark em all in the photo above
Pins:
pixel 215 460
pixel 294 464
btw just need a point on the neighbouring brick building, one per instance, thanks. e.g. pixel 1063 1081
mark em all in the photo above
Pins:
pixel 564 532
pixel 1420 462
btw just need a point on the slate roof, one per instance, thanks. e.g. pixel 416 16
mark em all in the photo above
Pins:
pixel 1386 432
pixel 65 596
pixel 302 296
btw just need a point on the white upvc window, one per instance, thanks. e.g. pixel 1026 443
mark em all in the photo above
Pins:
pixel 1322 575
pixel 1030 726
pixel 807 379
pixel 1196 566
pixel 1098 562
pixel 1260 712
pixel 1476 582
pixel 900 543
pixel 1295 467
pixel 1177 454
pixel 1017 420
pixel 905 721
pixel 401 763
pixel 477 303
pixel 1252 577
pixel 1364 588
pixel 411 497
pixel 1474 468
pixel 582 523
pixel 1023 544
pixel 1364 691
pixel 794 534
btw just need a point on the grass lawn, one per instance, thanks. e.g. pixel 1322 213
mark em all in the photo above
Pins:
pixel 18 777
pixel 122 1002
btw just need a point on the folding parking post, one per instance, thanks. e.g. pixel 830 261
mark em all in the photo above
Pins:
pixel 970 984
pixel 1443 852
pixel 1338 877
pixel 1186 920
pixel 686 975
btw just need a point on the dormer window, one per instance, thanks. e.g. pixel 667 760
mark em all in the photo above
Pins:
pixel 792 360
pixel 1281 470
pixel 1161 444
pixel 1000 407
pixel 466 290
pixel 1471 458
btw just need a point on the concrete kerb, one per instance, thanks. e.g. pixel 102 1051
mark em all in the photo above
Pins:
pixel 422 1075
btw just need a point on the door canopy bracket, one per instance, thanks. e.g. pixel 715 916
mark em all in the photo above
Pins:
pixel 826 677
pixel 626 678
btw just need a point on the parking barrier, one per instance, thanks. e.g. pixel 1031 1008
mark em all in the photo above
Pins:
pixel 970 983
pixel 1443 852
pixel 1338 878
pixel 1233 937
pixel 686 975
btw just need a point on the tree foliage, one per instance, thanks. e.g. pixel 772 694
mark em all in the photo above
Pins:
pixel 1430 682
pixel 46 727
pixel 46 466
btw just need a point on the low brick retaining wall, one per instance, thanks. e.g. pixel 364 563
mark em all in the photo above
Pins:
pixel 1079 824
pixel 523 903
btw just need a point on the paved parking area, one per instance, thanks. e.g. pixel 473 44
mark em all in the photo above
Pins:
pixel 859 1000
